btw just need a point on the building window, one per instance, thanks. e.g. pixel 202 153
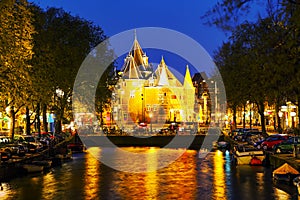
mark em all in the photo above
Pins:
pixel 148 107
pixel 132 93
pixel 160 97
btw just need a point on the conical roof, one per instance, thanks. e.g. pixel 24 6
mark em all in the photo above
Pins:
pixel 130 69
pixel 165 76
pixel 188 83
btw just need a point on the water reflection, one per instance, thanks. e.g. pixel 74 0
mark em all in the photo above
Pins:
pixel 178 180
pixel 189 177
pixel 51 189
pixel 151 178
pixel 219 191
pixel 92 174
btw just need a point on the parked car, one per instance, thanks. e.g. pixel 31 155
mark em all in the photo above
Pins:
pixel 16 149
pixel 287 146
pixel 258 143
pixel 269 143
pixel 30 142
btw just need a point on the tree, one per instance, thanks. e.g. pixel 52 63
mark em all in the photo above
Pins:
pixel 15 53
pixel 228 14
pixel 62 44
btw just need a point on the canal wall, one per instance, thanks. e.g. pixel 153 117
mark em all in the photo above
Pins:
pixel 276 160
pixel 180 141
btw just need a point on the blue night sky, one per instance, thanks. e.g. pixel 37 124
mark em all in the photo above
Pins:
pixel 115 16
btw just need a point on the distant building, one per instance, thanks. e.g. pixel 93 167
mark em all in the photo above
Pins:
pixel 145 94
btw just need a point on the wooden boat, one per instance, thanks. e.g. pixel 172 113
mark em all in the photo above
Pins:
pixel 223 146
pixel 243 155
pixel 31 168
pixel 45 163
pixel 285 173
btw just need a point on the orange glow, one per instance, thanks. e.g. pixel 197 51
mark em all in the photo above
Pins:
pixel 179 179
pixel 151 179
pixel 51 188
pixel 219 191
pixel 92 174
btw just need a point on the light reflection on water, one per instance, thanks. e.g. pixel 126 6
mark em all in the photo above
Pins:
pixel 189 177
pixel 219 191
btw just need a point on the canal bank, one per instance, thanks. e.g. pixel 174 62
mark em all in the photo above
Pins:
pixel 55 155
pixel 272 159
pixel 276 160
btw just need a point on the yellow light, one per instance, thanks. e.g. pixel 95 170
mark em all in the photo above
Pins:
pixel 219 177
pixel 92 173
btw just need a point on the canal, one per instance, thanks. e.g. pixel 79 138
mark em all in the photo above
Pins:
pixel 189 177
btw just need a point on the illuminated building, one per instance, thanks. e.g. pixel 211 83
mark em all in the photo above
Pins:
pixel 149 95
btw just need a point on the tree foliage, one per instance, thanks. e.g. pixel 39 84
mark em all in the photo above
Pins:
pixel 266 52
pixel 16 41
pixel 40 54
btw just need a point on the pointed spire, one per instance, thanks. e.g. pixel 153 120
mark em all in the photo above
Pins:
pixel 188 83
pixel 162 62
pixel 163 79
pixel 135 37
pixel 137 52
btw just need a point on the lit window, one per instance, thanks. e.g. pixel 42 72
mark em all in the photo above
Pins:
pixel 132 94
pixel 148 107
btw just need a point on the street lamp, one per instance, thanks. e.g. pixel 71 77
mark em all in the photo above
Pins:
pixel 280 114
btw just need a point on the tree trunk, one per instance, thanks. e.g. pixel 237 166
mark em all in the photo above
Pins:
pixel 45 124
pixel 38 113
pixel 58 126
pixel 12 122
pixel 261 110
pixel 250 117
pixel 58 120
pixel 27 121
pixel 277 118
pixel 234 117
pixel 244 116
pixel 298 113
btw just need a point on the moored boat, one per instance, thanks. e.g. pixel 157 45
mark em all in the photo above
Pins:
pixel 244 155
pixel 285 173
pixel 45 163
pixel 31 168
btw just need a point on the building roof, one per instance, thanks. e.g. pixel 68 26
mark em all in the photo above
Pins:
pixel 165 76
pixel 188 83
pixel 136 64
pixel 130 69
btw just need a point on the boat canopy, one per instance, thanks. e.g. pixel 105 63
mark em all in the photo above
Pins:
pixel 285 169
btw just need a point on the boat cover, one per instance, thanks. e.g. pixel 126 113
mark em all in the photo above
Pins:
pixel 285 169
